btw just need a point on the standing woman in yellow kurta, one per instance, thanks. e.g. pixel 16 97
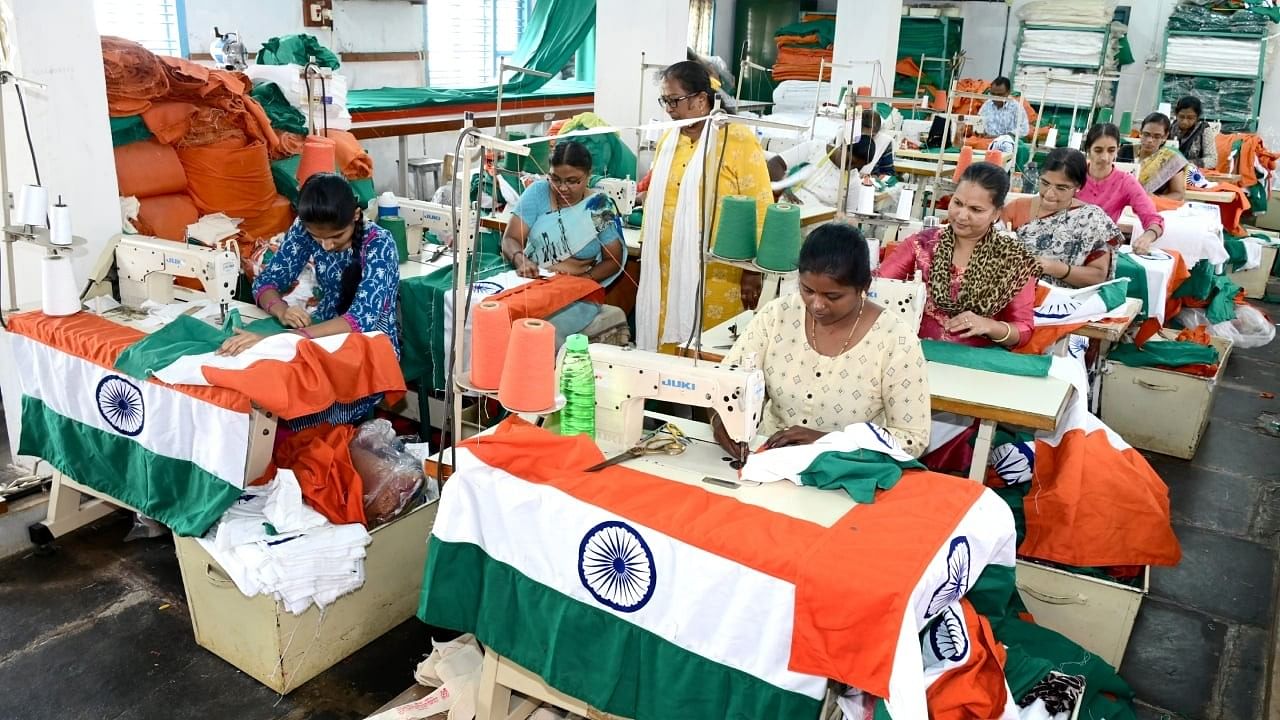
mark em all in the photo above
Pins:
pixel 672 236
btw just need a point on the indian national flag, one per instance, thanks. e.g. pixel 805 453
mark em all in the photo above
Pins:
pixel 176 454
pixel 1094 500
pixel 293 376
pixel 657 599
pixel 1061 311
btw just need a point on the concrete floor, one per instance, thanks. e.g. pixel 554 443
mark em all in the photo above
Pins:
pixel 99 630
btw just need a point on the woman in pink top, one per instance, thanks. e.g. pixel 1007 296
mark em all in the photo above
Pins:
pixel 980 282
pixel 1113 191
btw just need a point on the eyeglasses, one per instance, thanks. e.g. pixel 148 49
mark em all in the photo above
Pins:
pixel 1045 185
pixel 1153 136
pixel 670 102
pixel 565 182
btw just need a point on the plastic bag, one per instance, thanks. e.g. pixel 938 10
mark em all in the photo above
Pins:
pixel 1250 328
pixel 392 477
pixel 145 527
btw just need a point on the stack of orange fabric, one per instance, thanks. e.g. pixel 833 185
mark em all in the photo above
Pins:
pixel 800 57
pixel 211 149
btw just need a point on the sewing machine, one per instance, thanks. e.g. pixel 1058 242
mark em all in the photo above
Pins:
pixel 626 377
pixel 435 219
pixel 622 190
pixel 147 266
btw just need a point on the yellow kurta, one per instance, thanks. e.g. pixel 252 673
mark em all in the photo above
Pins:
pixel 743 172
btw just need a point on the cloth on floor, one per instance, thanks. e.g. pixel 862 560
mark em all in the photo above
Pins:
pixel 990 359
pixel 320 457
pixel 860 460
pixel 271 543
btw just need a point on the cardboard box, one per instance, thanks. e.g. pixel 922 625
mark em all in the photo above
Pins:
pixel 283 651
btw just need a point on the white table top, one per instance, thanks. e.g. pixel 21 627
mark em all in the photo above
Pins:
pixel 1025 401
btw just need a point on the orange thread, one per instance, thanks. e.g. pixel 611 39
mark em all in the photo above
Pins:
pixel 490 333
pixel 319 155
pixel 995 157
pixel 529 370
pixel 966 159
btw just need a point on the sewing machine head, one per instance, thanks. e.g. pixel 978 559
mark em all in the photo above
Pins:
pixel 626 377
pixel 148 265
pixel 622 190
pixel 419 216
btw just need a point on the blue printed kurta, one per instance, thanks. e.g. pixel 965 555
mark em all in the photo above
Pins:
pixel 372 309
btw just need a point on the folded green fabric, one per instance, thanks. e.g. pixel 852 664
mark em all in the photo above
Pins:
pixel 859 473
pixel 1238 255
pixel 992 359
pixel 297 50
pixel 1169 353
pixel 127 130
pixel 185 336
pixel 283 116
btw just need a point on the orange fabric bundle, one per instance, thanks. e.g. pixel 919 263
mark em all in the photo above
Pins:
pixel 290 144
pixel 353 161
pixel 166 216
pixel 1251 149
pixel 232 180
pixel 134 76
pixel 970 106
pixel 211 125
pixel 148 168
pixel 185 77
pixel 320 457
pixel 274 221
pixel 169 121
pixel 787 40
pixel 801 63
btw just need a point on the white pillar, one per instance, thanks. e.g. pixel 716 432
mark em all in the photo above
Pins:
pixel 866 31
pixel 624 30
pixel 55 42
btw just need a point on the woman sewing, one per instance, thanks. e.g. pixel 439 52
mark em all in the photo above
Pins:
pixel 1197 138
pixel 671 237
pixel 1112 190
pixel 1162 170
pixel 357 271
pixel 1071 239
pixel 980 282
pixel 563 226
pixel 815 170
pixel 831 357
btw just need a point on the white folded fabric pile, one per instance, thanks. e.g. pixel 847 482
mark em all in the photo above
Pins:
pixel 1088 13
pixel 271 543
pixel 1200 55
pixel 289 78
pixel 1057 87
pixel 1061 47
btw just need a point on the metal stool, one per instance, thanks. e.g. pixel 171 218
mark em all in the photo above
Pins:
pixel 419 167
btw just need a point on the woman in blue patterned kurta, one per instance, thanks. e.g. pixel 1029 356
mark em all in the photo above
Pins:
pixel 357 272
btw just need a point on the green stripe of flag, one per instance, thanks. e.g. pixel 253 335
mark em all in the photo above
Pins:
pixel 587 652
pixel 176 492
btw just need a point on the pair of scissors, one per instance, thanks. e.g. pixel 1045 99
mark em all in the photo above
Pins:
pixel 666 440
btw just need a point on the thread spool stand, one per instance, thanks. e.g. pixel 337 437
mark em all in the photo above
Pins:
pixel 36 236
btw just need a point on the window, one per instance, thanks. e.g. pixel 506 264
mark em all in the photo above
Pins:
pixel 467 40
pixel 158 25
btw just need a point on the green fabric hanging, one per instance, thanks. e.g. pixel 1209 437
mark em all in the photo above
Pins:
pixel 1124 52
pixel 1199 285
pixel 992 359
pixel 285 175
pixel 1169 353
pixel 859 473
pixel 1237 255
pixel 182 337
pixel 282 115
pixel 552 36
pixel 297 50
pixel 127 130
pixel 1222 304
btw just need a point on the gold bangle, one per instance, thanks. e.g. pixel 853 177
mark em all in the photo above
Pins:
pixel 1008 330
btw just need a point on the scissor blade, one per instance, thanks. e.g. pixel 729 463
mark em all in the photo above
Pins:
pixel 616 459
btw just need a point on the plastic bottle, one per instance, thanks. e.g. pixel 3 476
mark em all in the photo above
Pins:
pixel 578 384
pixel 388 205
pixel 1030 177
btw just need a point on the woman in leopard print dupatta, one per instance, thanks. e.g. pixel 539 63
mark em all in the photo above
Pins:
pixel 981 282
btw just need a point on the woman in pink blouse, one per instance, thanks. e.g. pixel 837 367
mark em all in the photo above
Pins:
pixel 1113 191
pixel 980 282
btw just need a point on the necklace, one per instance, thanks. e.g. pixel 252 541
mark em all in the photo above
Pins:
pixel 813 329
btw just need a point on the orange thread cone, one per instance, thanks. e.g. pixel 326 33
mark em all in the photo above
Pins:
pixel 529 369
pixel 319 155
pixel 490 333
pixel 995 157
pixel 966 159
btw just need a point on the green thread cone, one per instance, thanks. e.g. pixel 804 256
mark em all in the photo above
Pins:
pixel 1126 123
pixel 394 224
pixel 780 238
pixel 1105 115
pixel 736 228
